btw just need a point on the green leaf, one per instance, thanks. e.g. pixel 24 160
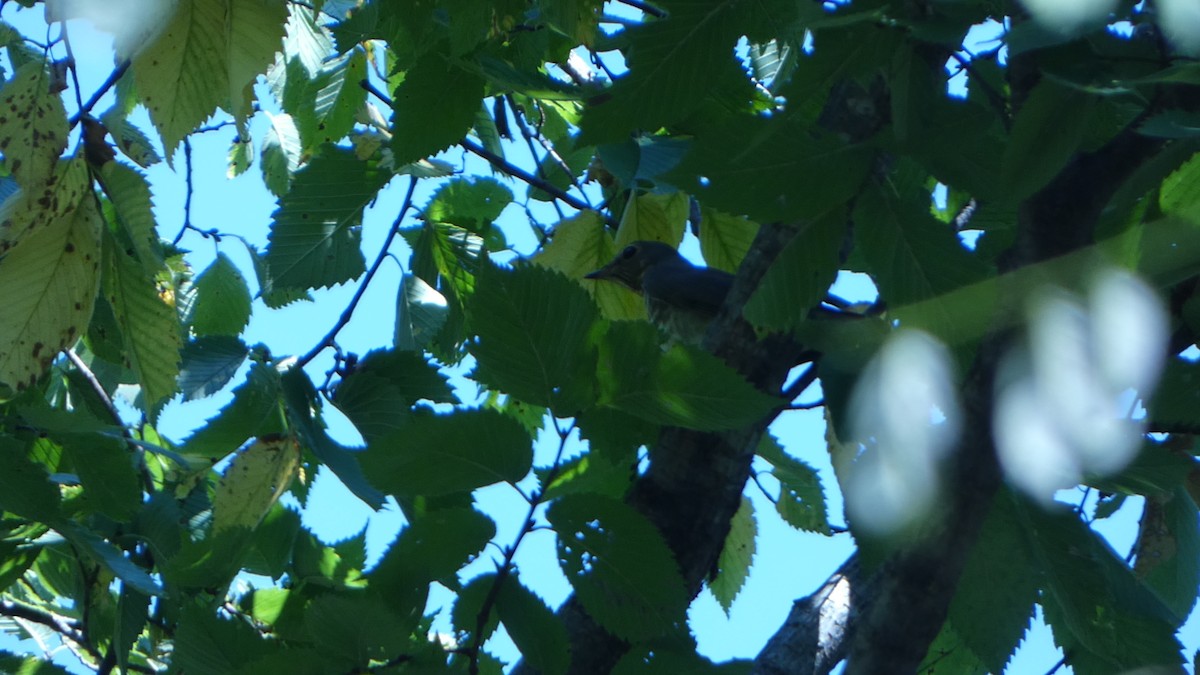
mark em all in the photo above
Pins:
pixel 111 557
pixel 421 313
pixel 748 166
pixel 222 304
pixel 383 386
pixel 33 131
pixel 801 501
pixel 336 98
pixel 355 625
pixel 622 572
pixel 468 605
pixel 208 645
pixel 539 635
pixel 470 203
pixel 433 107
pixel 315 231
pixel 240 157
pixel 1168 556
pixel 1045 135
pixel 50 281
pixel 535 337
pixel 131 140
pixel 1180 191
pixel 1176 402
pixel 737 556
pixel 673 65
pixel 29 665
pixel 432 548
pixel 106 468
pixel 1101 616
pixel 130 194
pixel 208 363
pixel 150 326
pixel 303 406
pixel 683 386
pixel 724 239
pixel 29 208
pixel 800 276
pixel 671 658
pixel 443 454
pixel 25 488
pixel 207 55
pixel 913 258
pixel 995 599
pixel 256 410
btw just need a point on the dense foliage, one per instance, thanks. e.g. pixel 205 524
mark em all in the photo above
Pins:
pixel 797 140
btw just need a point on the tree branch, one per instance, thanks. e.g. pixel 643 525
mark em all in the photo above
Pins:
pixel 330 338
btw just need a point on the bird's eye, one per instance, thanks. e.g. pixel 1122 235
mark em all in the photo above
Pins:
pixel 628 252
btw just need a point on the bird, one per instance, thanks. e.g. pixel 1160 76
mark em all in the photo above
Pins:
pixel 681 298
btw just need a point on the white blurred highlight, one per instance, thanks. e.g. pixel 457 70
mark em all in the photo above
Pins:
pixel 1068 16
pixel 1062 404
pixel 133 23
pixel 904 413
pixel 1179 20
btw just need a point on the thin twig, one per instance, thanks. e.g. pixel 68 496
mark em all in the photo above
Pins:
pixel 108 84
pixel 500 163
pixel 645 7
pixel 803 382
pixel 187 198
pixel 505 567
pixel 331 336
pixel 138 452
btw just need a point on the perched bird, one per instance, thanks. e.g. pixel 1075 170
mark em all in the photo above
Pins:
pixel 680 297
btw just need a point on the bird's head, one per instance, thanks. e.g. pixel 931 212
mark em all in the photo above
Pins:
pixel 633 261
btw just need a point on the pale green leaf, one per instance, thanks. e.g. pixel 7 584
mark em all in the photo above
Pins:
pixel 281 154
pixel 653 217
pixel 256 410
pixel 240 157
pixel 149 325
pixel 737 556
pixel 724 239
pixel 255 479
pixel 50 282
pixel 580 245
pixel 207 55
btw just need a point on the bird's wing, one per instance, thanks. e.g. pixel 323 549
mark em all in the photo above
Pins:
pixel 696 289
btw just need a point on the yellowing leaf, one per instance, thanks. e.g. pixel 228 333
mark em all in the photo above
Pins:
pixel 33 124
pixel 35 206
pixel 49 283
pixel 253 483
